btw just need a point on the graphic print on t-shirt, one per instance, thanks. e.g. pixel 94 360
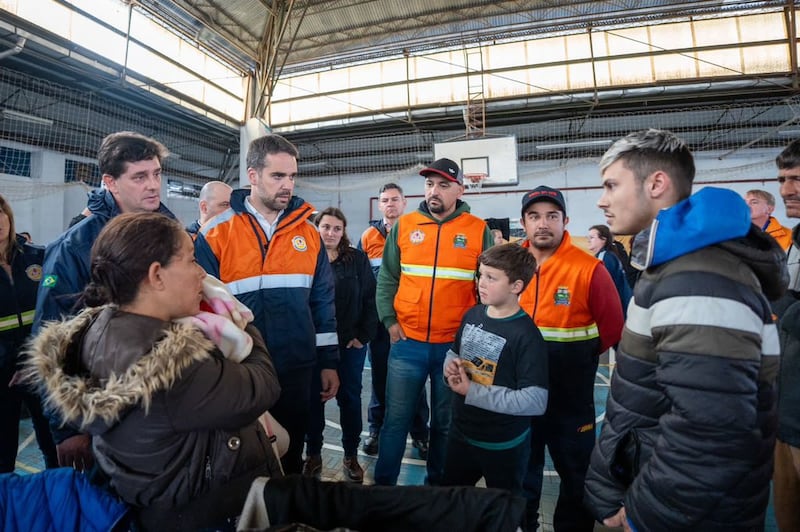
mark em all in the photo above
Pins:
pixel 480 351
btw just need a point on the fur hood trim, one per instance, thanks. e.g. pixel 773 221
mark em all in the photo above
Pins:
pixel 83 400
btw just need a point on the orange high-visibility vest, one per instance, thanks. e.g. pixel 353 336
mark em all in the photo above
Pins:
pixel 437 274
pixel 557 297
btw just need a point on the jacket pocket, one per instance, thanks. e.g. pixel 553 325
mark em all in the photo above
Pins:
pixel 625 464
pixel 407 306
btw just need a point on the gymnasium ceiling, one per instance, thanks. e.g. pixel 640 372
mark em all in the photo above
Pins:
pixel 312 34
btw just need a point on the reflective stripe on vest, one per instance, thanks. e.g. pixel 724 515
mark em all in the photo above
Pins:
pixel 261 282
pixel 573 334
pixel 421 270
pixel 12 322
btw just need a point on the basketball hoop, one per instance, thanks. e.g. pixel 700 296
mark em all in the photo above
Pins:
pixel 474 182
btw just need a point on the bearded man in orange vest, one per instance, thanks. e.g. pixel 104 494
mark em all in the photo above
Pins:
pixel 425 285
pixel 575 304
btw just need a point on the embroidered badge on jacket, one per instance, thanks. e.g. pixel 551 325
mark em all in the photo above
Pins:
pixel 34 272
pixel 416 236
pixel 561 296
pixel 460 241
pixel 299 243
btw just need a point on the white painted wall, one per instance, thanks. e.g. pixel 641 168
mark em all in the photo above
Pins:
pixel 47 215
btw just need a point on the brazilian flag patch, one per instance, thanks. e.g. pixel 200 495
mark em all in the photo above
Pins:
pixel 49 281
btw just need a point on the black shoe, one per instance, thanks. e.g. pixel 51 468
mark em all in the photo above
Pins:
pixel 422 448
pixel 313 466
pixel 352 470
pixel 370 446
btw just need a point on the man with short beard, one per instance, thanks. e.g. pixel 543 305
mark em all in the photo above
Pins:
pixel 273 261
pixel 575 304
pixel 425 285
pixel 786 476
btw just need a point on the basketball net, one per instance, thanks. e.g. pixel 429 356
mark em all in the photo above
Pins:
pixel 474 182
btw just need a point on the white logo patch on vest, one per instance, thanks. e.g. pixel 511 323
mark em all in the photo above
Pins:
pixel 299 243
pixel 416 236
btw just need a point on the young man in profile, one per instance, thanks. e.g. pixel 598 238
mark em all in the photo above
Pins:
pixel 689 431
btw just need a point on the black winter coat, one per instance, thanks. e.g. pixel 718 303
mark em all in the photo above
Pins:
pixel 18 300
pixel 356 315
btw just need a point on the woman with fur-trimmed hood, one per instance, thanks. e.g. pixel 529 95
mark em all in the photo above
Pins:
pixel 173 423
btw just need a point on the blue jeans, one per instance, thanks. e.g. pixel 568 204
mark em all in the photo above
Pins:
pixel 379 359
pixel 410 364
pixel 350 369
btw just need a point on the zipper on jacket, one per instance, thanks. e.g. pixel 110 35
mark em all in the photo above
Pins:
pixel 433 280
pixel 263 243
pixel 536 293
pixel 208 467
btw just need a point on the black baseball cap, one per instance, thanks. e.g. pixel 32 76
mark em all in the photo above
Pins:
pixel 445 168
pixel 544 193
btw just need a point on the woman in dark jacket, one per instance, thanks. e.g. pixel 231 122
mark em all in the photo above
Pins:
pixel 601 243
pixel 20 273
pixel 356 324
pixel 173 423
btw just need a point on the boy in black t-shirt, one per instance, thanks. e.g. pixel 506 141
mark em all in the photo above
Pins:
pixel 498 371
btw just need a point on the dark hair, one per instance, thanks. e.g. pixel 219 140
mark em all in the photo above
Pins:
pixel 605 233
pixel 123 252
pixel 344 249
pixel 610 244
pixel 391 186
pixel 119 149
pixel 268 145
pixel 789 157
pixel 515 261
pixel 11 245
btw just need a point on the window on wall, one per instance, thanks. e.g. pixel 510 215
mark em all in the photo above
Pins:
pixel 15 162
pixel 752 44
pixel 152 53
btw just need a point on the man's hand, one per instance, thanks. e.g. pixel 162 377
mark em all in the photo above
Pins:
pixel 76 452
pixel 396 333
pixel 617 520
pixel 330 384
pixel 354 343
pixel 458 381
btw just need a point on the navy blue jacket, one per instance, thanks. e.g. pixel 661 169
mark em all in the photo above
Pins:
pixel 287 281
pixel 67 259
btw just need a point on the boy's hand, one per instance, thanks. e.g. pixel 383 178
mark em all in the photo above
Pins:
pixel 451 368
pixel 458 382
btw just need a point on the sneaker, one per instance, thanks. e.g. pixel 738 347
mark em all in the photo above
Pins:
pixel 352 469
pixel 422 448
pixel 370 446
pixel 313 466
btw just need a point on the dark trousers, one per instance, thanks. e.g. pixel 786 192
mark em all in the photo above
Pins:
pixel 292 411
pixel 465 464
pixel 11 400
pixel 379 361
pixel 350 369
pixel 569 440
